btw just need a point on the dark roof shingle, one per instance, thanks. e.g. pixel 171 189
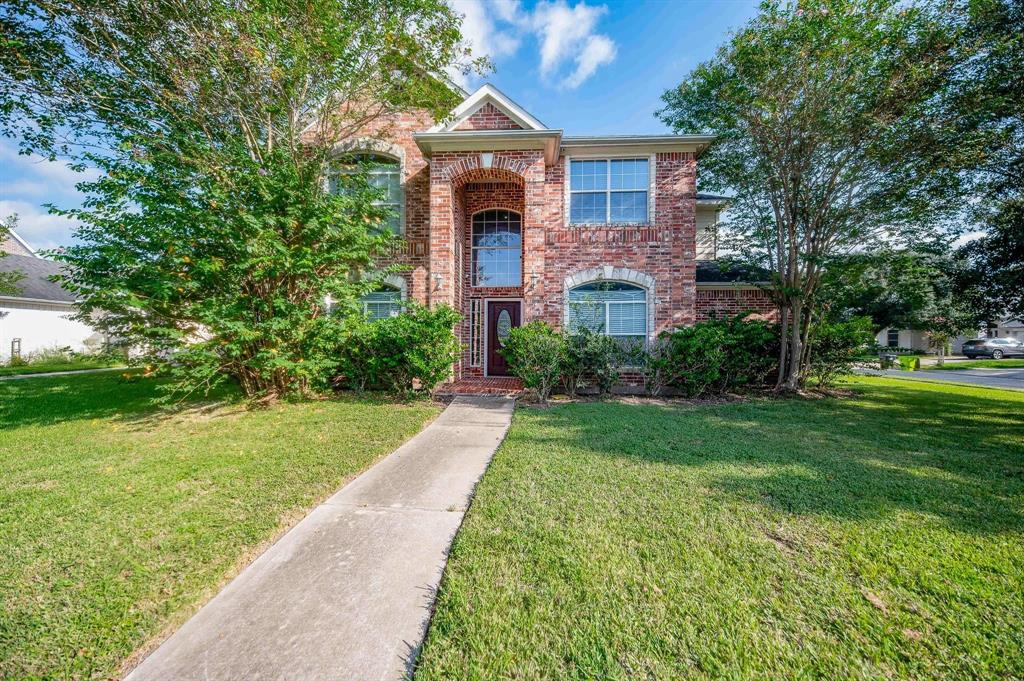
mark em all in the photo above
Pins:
pixel 36 282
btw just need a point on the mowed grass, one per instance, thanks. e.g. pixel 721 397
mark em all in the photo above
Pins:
pixel 116 521
pixel 47 366
pixel 879 536
pixel 980 364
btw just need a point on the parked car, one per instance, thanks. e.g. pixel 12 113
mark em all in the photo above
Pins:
pixel 996 348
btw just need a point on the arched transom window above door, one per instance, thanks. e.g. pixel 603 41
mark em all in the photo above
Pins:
pixel 384 174
pixel 497 258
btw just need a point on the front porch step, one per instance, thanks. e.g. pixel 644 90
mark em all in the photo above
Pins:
pixel 495 385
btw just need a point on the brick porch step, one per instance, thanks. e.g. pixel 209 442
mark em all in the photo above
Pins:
pixel 482 386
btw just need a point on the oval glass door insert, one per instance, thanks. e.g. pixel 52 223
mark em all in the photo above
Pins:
pixel 504 325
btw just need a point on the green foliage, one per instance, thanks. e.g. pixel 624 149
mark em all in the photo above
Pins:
pixel 714 356
pixel 397 353
pixel 210 238
pixel 536 354
pixel 830 136
pixel 836 347
pixel 591 356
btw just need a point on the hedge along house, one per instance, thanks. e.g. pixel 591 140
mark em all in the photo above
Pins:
pixel 508 220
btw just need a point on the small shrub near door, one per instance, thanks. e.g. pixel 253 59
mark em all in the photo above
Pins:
pixel 395 353
pixel 536 354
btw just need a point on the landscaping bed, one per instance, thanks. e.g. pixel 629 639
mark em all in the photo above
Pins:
pixel 118 521
pixel 876 536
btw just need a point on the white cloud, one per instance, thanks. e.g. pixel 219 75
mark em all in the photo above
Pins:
pixel 28 182
pixel 37 227
pixel 570 48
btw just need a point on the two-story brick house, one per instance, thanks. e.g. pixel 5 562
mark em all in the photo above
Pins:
pixel 508 220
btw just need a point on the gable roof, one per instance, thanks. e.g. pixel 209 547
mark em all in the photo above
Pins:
pixel 488 94
pixel 35 284
pixel 15 245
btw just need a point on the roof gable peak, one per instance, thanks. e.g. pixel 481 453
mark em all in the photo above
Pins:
pixel 488 94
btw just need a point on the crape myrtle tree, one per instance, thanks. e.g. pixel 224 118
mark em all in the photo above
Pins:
pixel 831 136
pixel 210 237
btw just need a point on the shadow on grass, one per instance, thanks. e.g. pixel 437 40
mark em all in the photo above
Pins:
pixel 51 400
pixel 954 456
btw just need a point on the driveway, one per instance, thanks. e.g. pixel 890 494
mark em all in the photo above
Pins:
pixel 348 592
pixel 1010 379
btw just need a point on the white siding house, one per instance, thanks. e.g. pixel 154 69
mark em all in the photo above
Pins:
pixel 38 315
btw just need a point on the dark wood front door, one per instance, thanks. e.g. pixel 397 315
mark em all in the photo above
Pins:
pixel 502 315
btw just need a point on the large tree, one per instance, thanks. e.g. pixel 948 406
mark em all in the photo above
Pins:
pixel 832 138
pixel 210 237
pixel 988 97
pixel 8 280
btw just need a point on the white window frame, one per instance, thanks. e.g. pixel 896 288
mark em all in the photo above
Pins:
pixel 473 248
pixel 569 191
pixel 608 303
pixel 400 171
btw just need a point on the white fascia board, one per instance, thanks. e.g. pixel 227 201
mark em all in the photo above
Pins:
pixel 635 144
pixel 490 140
pixel 37 301
pixel 484 94
pixel 23 243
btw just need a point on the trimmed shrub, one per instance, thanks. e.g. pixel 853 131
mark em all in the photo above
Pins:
pixel 594 357
pixel 536 354
pixel 396 353
pixel 714 356
pixel 836 348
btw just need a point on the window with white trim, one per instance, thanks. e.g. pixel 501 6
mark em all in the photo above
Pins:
pixel 612 308
pixel 892 338
pixel 384 302
pixel 383 174
pixel 608 191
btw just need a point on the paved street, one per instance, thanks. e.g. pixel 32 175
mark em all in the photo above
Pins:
pixel 1012 379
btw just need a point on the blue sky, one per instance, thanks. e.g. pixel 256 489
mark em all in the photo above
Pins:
pixel 587 67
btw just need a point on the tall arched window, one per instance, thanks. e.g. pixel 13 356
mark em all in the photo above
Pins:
pixel 385 174
pixel 612 308
pixel 497 248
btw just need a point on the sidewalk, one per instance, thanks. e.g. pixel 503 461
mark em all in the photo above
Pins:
pixel 347 593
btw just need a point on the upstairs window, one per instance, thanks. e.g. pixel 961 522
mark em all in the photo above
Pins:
pixel 608 191
pixel 611 308
pixel 383 174
pixel 497 248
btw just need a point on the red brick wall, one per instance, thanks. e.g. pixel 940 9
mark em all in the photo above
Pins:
pixel 488 117
pixel 727 302
pixel 663 250
pixel 393 134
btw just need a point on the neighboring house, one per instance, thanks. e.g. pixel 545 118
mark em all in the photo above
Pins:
pixel 37 317
pixel 1011 327
pixel 508 220
pixel 908 339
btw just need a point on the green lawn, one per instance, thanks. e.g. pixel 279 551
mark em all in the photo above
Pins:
pixel 980 364
pixel 47 366
pixel 879 536
pixel 116 522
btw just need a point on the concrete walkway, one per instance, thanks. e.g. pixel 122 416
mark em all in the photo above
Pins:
pixel 347 593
